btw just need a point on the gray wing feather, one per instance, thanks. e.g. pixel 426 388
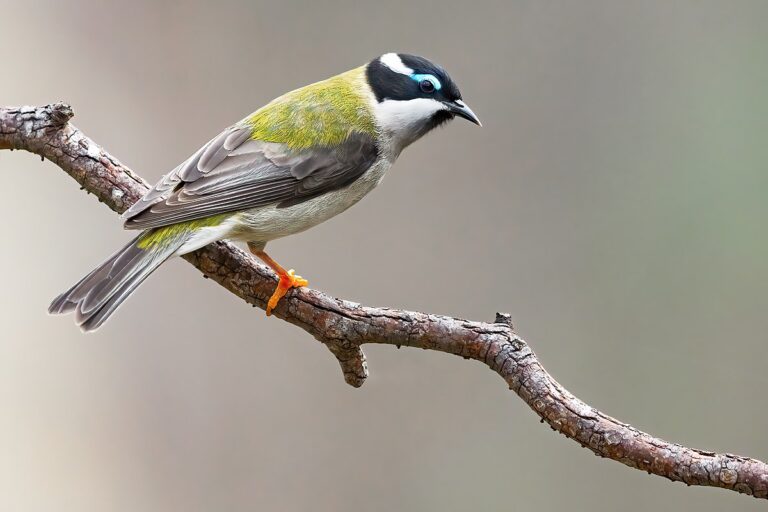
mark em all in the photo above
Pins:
pixel 233 173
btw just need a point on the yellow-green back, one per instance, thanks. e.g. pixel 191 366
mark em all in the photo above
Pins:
pixel 320 114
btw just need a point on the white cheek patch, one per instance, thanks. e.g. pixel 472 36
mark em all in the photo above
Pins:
pixel 403 116
pixel 395 63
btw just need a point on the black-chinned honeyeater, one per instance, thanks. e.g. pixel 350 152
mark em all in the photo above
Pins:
pixel 294 163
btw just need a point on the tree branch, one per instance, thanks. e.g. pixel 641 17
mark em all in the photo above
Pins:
pixel 344 326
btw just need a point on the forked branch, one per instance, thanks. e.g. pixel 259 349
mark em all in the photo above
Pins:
pixel 344 326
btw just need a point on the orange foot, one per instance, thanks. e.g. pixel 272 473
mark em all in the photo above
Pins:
pixel 288 280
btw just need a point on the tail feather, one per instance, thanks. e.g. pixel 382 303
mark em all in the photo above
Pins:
pixel 96 296
pixel 131 261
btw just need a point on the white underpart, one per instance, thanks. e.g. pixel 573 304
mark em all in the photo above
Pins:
pixel 267 223
pixel 260 225
pixel 395 63
pixel 205 236
pixel 402 121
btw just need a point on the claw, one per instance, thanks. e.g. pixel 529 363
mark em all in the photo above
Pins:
pixel 287 281
pixel 298 281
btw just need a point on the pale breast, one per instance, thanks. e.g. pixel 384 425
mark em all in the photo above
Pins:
pixel 268 223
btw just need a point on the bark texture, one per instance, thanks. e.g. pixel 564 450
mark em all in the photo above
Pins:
pixel 344 326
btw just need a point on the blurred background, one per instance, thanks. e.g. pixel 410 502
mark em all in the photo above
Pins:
pixel 614 202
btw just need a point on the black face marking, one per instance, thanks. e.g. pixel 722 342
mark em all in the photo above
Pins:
pixel 439 118
pixel 391 85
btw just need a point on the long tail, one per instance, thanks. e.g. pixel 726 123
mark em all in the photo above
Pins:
pixel 96 296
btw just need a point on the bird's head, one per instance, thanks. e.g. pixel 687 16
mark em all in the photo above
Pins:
pixel 413 96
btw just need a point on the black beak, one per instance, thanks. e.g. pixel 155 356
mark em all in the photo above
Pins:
pixel 461 109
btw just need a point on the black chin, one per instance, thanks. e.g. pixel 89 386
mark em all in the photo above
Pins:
pixel 438 118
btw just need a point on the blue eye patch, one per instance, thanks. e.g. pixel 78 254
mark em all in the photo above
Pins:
pixel 418 77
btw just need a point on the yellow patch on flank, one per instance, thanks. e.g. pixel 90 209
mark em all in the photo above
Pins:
pixel 168 234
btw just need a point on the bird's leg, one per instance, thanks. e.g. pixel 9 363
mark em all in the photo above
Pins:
pixel 288 279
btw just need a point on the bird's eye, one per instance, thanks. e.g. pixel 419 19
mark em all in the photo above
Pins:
pixel 427 86
pixel 427 83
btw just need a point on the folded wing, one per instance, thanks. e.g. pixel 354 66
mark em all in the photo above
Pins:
pixel 233 172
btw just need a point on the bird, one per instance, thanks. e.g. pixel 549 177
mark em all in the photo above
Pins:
pixel 301 159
